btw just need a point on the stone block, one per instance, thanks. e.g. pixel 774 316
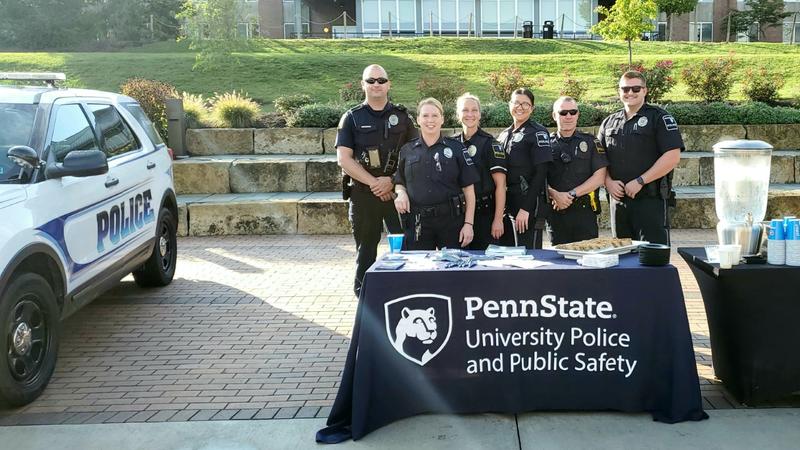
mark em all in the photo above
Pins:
pixel 780 136
pixel 323 176
pixel 183 220
pixel 322 217
pixel 694 211
pixel 201 176
pixel 293 141
pixel 707 171
pixel 701 138
pixel 782 169
pixel 781 204
pixel 219 141
pixel 329 141
pixel 494 131
pixel 687 173
pixel 265 217
pixel 268 176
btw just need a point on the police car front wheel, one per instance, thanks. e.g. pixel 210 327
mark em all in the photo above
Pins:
pixel 160 267
pixel 30 322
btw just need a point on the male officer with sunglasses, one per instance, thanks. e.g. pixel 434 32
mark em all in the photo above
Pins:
pixel 577 172
pixel 643 146
pixel 367 145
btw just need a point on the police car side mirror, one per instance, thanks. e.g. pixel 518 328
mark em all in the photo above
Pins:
pixel 79 163
pixel 24 156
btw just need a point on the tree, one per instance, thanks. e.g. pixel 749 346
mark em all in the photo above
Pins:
pixel 675 7
pixel 739 23
pixel 767 13
pixel 627 20
pixel 210 27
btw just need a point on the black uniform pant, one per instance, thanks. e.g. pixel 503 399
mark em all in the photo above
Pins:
pixel 482 229
pixel 576 223
pixel 641 218
pixel 367 214
pixel 532 237
pixel 435 232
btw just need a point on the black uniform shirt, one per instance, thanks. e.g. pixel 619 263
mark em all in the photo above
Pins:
pixel 525 147
pixel 433 175
pixel 575 160
pixel 633 146
pixel 488 156
pixel 364 129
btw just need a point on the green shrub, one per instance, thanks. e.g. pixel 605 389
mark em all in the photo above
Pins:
pixel 317 115
pixel 194 109
pixel 495 115
pixel 289 104
pixel 710 79
pixel 785 114
pixel 572 87
pixel 504 81
pixel 756 113
pixel 351 92
pixel 543 113
pixel 760 85
pixel 659 77
pixel 590 115
pixel 234 110
pixel 688 113
pixel 446 91
pixel 151 95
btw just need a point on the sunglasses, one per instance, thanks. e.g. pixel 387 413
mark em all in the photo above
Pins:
pixel 571 112
pixel 635 89
pixel 380 80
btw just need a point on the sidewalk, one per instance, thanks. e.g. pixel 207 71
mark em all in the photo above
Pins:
pixel 764 429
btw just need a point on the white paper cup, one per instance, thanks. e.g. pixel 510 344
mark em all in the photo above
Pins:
pixel 729 256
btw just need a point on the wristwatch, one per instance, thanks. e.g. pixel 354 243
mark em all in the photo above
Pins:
pixel 640 180
pixel 573 194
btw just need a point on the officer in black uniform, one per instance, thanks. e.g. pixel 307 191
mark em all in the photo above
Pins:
pixel 367 148
pixel 435 179
pixel 527 147
pixel 643 146
pixel 490 161
pixel 578 170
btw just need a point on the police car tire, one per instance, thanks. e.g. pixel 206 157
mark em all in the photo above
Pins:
pixel 28 296
pixel 159 269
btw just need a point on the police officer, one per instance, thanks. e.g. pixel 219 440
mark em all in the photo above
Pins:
pixel 490 161
pixel 526 144
pixel 435 192
pixel 643 146
pixel 367 146
pixel 578 170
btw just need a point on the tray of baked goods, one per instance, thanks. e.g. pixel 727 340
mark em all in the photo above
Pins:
pixel 598 246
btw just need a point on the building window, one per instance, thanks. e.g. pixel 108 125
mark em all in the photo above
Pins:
pixel 788 37
pixel 288 18
pixel 701 31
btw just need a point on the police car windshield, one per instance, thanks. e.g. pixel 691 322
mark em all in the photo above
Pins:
pixel 16 127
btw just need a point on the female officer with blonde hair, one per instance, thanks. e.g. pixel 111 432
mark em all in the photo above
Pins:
pixel 490 161
pixel 434 183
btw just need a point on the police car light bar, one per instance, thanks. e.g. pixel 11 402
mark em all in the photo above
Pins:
pixel 49 78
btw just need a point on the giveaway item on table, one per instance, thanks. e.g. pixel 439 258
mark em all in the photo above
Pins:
pixel 654 254
pixel 598 246
pixel 453 258
pixel 600 261
pixel 502 250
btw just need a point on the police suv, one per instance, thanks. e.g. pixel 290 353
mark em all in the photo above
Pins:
pixel 86 197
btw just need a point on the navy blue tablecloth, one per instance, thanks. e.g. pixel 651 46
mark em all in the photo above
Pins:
pixel 558 337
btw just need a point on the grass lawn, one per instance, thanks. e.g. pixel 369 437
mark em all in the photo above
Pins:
pixel 270 68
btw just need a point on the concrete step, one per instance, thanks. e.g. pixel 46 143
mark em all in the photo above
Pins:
pixel 326 212
pixel 320 173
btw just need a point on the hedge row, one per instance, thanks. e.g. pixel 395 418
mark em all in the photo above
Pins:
pixel 320 115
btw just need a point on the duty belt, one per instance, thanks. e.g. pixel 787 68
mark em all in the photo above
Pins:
pixel 485 202
pixel 440 210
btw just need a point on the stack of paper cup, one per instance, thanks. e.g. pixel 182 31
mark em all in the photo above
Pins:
pixel 776 243
pixel 793 242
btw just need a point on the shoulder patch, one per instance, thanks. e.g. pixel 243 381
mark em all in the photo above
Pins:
pixel 669 122
pixel 542 139
pixel 498 152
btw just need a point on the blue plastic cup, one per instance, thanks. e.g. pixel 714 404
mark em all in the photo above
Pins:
pixel 395 242
pixel 776 231
pixel 793 230
pixel 786 220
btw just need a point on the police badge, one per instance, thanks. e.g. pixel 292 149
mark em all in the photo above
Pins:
pixel 393 120
pixel 517 137
pixel 583 146
pixel 448 152
pixel 642 121
pixel 472 150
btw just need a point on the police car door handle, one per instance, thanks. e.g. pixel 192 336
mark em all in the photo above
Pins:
pixel 150 165
pixel 111 181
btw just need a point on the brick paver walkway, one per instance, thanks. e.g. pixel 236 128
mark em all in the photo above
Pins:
pixel 253 327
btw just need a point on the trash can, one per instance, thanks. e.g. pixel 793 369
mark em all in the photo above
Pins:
pixel 527 29
pixel 547 29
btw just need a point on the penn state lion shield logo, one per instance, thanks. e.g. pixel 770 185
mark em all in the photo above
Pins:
pixel 418 326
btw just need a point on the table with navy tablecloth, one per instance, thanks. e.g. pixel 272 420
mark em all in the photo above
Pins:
pixel 560 337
